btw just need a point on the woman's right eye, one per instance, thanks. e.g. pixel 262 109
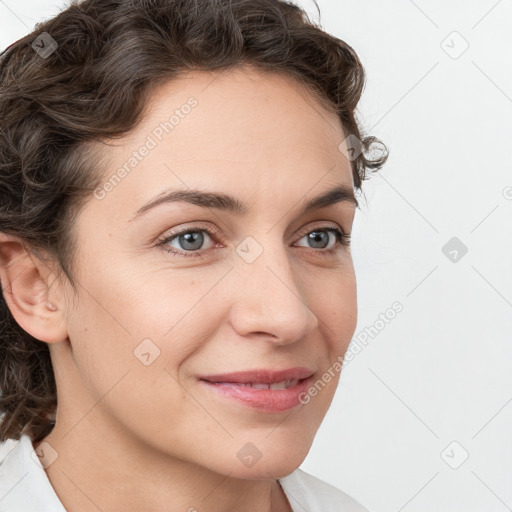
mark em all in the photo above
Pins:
pixel 186 241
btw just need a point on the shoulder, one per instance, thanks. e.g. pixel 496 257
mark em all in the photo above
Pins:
pixel 307 492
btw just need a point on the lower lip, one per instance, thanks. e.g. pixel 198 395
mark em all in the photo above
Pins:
pixel 264 400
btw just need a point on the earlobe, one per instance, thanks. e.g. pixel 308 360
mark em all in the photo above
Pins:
pixel 25 288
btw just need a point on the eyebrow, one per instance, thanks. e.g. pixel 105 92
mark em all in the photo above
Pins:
pixel 230 203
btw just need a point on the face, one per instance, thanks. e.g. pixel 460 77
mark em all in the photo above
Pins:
pixel 181 290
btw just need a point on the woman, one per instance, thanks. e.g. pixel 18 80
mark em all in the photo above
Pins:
pixel 177 195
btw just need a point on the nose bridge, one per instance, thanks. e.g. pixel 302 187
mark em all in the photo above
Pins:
pixel 269 300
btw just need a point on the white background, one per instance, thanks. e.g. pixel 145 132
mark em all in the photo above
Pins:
pixel 440 371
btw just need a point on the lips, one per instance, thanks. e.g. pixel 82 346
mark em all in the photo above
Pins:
pixel 264 390
pixel 262 376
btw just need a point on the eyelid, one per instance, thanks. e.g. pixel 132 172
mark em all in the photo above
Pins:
pixel 322 225
pixel 185 228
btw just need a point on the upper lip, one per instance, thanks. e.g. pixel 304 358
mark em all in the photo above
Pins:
pixel 264 376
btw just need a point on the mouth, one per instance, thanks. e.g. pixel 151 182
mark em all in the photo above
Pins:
pixel 261 376
pixel 284 384
pixel 264 390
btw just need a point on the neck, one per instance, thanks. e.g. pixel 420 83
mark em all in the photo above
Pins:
pixel 110 470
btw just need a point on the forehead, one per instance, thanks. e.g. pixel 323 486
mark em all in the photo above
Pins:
pixel 242 128
pixel 240 103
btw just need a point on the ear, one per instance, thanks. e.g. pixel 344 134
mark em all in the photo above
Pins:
pixel 26 283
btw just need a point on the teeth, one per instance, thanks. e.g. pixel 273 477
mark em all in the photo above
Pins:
pixel 276 385
pixel 256 385
pixel 261 385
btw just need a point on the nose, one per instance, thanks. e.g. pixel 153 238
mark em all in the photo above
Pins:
pixel 269 302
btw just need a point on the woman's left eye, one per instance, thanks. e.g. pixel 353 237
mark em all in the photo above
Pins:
pixel 191 240
pixel 319 236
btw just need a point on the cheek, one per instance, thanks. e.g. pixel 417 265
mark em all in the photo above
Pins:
pixel 333 299
pixel 343 313
pixel 126 364
pixel 141 328
pixel 337 312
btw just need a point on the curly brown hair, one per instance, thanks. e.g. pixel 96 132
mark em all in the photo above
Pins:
pixel 93 83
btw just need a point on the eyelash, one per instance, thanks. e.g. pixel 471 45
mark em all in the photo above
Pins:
pixel 342 240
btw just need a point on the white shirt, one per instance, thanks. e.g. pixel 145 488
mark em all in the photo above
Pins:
pixel 25 487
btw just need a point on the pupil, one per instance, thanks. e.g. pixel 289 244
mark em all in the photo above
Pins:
pixel 316 236
pixel 194 237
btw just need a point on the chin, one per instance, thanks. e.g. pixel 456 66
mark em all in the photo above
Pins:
pixel 251 463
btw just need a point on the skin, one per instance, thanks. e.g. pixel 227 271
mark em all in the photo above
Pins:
pixel 152 433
